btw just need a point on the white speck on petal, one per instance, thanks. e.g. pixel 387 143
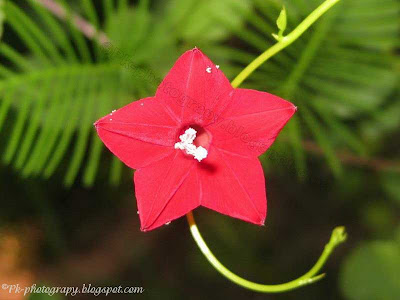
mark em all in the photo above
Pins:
pixel 217 66
pixel 208 70
pixel 110 119
pixel 137 212
pixel 168 223
pixel 113 111
pixel 187 145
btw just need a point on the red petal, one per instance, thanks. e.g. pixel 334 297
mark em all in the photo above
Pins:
pixel 233 185
pixel 251 122
pixel 166 190
pixel 140 133
pixel 191 93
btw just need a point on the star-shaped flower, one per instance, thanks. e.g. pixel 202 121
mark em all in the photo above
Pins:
pixel 196 143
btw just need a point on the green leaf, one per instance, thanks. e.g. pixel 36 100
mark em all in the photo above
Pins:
pixel 281 22
pixel 371 272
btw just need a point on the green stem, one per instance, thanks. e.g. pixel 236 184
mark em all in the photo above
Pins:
pixel 338 237
pixel 338 234
pixel 284 41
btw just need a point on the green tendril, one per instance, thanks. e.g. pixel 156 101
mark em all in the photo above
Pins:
pixel 283 41
pixel 338 235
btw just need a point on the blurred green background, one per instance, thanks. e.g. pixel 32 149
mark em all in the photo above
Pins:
pixel 67 209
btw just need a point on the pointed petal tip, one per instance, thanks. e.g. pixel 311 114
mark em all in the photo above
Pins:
pixel 143 227
pixel 195 49
pixel 146 226
pixel 262 222
pixel 100 121
pixel 97 124
pixel 151 228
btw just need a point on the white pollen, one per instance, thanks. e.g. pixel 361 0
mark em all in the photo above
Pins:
pixel 168 223
pixel 208 70
pixel 217 66
pixel 110 119
pixel 200 153
pixel 114 111
pixel 187 145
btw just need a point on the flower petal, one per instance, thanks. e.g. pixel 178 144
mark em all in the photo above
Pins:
pixel 193 88
pixel 233 185
pixel 166 190
pixel 139 133
pixel 251 122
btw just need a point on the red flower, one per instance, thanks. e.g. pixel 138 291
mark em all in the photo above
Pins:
pixel 196 142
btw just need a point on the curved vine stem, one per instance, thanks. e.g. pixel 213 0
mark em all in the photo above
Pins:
pixel 338 237
pixel 284 41
pixel 338 234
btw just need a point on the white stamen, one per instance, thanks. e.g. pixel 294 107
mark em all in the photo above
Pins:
pixel 217 66
pixel 186 144
pixel 201 153
pixel 208 70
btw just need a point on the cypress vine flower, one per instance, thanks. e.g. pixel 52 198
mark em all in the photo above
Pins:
pixel 196 143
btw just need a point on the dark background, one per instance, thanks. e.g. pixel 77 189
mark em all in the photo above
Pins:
pixel 337 164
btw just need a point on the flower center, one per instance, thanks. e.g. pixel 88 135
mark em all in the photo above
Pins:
pixel 190 146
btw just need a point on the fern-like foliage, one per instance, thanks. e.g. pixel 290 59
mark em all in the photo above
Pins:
pixel 52 94
pixel 53 89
